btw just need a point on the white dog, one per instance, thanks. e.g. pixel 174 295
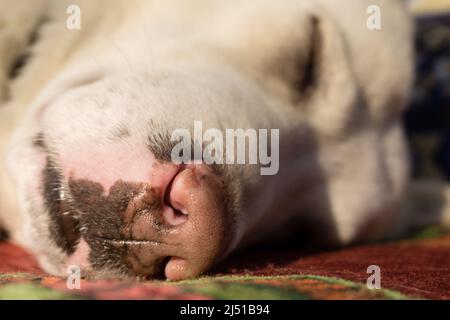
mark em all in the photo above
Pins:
pixel 86 125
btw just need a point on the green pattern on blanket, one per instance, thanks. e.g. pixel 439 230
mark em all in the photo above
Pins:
pixel 292 287
pixel 30 291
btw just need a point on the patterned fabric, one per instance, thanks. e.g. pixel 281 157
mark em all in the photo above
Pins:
pixel 416 268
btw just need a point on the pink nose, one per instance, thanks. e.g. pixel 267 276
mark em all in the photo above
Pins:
pixel 204 227
pixel 193 211
pixel 172 218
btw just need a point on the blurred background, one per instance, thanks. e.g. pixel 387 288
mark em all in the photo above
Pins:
pixel 428 118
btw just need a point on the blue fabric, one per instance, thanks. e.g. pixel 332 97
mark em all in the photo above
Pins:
pixel 429 113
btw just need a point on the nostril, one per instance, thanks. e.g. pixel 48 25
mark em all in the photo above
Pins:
pixel 179 208
pixel 174 217
pixel 175 213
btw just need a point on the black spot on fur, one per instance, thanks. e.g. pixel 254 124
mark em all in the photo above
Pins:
pixel 121 132
pixel 109 221
pixel 161 146
pixel 159 142
pixel 39 141
pixel 23 58
pixel 308 77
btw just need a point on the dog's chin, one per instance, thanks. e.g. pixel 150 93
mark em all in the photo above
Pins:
pixel 36 236
pixel 39 238
pixel 50 257
pixel 57 263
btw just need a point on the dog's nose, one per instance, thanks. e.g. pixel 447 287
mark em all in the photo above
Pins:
pixel 205 233
pixel 188 221
pixel 162 217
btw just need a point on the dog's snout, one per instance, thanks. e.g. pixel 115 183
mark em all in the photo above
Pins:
pixel 170 219
pixel 182 226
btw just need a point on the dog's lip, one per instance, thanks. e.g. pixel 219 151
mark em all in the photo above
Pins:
pixel 137 242
pixel 69 226
pixel 68 221
pixel 161 252
pixel 63 218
